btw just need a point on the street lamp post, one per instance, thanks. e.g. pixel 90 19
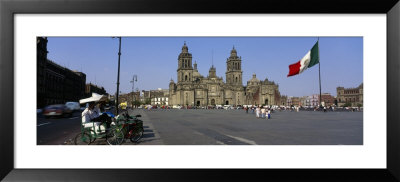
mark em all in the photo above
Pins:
pixel 134 79
pixel 119 58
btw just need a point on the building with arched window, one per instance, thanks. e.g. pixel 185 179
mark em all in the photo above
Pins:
pixel 193 89
pixel 350 96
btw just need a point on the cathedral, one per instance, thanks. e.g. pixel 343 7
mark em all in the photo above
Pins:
pixel 193 89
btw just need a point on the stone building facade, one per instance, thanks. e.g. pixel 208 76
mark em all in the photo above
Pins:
pixel 353 96
pixel 327 99
pixel 90 88
pixel 56 84
pixel 193 89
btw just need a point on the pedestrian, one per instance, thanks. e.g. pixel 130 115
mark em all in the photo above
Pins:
pixel 252 109
pixel 269 114
pixel 92 114
pixel 262 112
pixel 258 112
pixel 324 109
pixel 247 109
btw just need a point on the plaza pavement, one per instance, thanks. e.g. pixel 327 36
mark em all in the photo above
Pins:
pixel 235 127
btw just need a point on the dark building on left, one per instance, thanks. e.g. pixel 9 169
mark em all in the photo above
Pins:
pixel 56 84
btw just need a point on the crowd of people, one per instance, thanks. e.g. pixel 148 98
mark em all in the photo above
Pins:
pixel 260 111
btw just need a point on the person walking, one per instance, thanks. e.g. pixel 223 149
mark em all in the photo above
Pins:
pixel 258 112
pixel 247 109
pixel 269 114
pixel 262 112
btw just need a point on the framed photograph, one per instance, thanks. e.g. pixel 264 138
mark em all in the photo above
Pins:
pixel 236 62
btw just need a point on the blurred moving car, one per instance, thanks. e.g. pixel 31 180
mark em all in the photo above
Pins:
pixel 74 106
pixel 56 110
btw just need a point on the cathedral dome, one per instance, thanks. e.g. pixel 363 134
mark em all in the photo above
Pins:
pixel 196 74
pixel 254 79
pixel 185 52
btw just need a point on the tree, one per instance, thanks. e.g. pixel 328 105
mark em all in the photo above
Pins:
pixel 359 105
pixel 137 103
pixel 147 101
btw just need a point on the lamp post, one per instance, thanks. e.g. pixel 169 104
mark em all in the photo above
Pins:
pixel 119 58
pixel 134 79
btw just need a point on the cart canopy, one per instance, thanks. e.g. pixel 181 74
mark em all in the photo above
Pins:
pixel 94 98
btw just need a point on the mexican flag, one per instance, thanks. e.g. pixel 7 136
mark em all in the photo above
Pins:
pixel 309 60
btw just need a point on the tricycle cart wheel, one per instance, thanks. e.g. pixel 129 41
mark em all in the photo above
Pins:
pixel 115 137
pixel 82 139
pixel 136 135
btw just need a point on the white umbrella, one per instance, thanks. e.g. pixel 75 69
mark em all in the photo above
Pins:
pixel 94 98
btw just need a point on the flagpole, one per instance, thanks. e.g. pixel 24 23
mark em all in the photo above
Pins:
pixel 319 73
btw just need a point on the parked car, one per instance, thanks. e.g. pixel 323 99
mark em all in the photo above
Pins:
pixel 74 106
pixel 226 107
pixel 56 110
pixel 176 107
pixel 218 107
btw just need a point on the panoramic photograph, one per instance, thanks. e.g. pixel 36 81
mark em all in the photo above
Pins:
pixel 199 91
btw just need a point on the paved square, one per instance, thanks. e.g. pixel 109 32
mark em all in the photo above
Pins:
pixel 235 127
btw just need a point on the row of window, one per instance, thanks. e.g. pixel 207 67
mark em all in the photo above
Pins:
pixel 351 92
pixel 350 99
pixel 186 77
pixel 236 66
pixel 185 63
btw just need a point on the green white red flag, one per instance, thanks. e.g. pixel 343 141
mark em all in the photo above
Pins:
pixel 309 60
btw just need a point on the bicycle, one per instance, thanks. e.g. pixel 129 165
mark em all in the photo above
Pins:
pixel 127 127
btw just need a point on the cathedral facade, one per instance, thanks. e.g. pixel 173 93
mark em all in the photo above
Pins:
pixel 193 89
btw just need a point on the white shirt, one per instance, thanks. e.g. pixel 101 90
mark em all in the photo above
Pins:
pixel 87 114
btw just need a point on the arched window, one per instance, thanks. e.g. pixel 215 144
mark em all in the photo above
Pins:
pixel 236 79
pixel 185 77
pixel 189 76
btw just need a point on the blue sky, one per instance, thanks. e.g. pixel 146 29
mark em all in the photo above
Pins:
pixel 155 59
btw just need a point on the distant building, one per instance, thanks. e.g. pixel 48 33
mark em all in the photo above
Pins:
pixel 314 100
pixel 327 99
pixel 293 101
pixel 130 97
pixel 56 84
pixel 194 89
pixel 156 97
pixel 92 88
pixel 283 100
pixel 350 96
pixel 159 101
pixel 304 101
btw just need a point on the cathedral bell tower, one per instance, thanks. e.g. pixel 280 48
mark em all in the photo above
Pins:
pixel 185 69
pixel 234 69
